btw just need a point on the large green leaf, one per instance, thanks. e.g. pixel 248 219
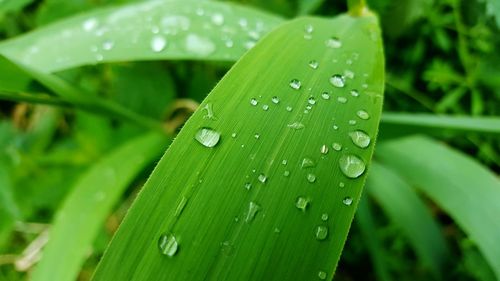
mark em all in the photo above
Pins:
pixel 80 217
pixel 469 192
pixel 152 30
pixel 262 182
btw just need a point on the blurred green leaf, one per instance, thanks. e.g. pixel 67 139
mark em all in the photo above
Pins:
pixel 86 207
pixel 466 190
pixel 493 9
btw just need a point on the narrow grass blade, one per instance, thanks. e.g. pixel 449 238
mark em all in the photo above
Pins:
pixel 152 30
pixel 405 209
pixel 262 182
pixel 87 206
pixel 368 230
pixel 467 191
pixel 9 211
pixel 397 124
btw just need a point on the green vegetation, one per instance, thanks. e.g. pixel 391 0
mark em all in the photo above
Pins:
pixel 270 111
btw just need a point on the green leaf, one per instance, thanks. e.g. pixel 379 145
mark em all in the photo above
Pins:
pixel 81 216
pixel 241 193
pixel 152 30
pixel 467 191
pixel 493 9
pixel 406 210
pixel 398 124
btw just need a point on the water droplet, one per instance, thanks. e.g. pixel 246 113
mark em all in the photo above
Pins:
pixel 108 45
pixel 351 166
pixel 158 43
pixel 363 114
pixel 168 245
pixel 352 122
pixel 348 62
pixel 217 19
pixel 337 146
pixel 253 101
pixel 337 80
pixel 348 74
pixel 210 112
pixel 226 248
pixel 284 162
pixel 265 107
pixel 296 126
pixel 233 135
pixel 254 35
pixel 257 136
pixel 308 28
pixel 335 127
pixel 262 178
pixel 322 275
pixel 253 208
pixel 207 137
pixel 248 186
pixel 302 203
pixel 275 100
pixel 342 99
pixel 249 45
pixel 295 84
pixel 360 138
pixel 311 178
pixel 311 101
pixel 321 232
pixel 313 64
pixel 155 29
pixel 324 149
pixel 325 96
pixel 341 184
pixel 289 108
pixel 354 93
pixel 347 201
pixel 324 217
pixel 199 45
pixel 333 42
pixel 277 230
pixel 89 24
pixel 228 43
pixel 307 163
pixel 286 173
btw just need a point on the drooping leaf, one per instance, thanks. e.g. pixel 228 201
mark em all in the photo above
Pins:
pixel 152 30
pixel 467 191
pixel 81 216
pixel 262 182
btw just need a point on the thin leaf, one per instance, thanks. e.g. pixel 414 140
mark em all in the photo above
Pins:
pixel 465 189
pixel 241 193
pixel 406 210
pixel 152 30
pixel 87 206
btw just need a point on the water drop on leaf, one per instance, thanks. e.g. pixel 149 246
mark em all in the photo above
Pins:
pixel 351 165
pixel 167 244
pixel 207 137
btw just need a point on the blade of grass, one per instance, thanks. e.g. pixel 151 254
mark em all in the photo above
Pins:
pixel 368 230
pixel 397 124
pixel 81 216
pixel 405 209
pixel 152 30
pixel 9 211
pixel 245 190
pixel 466 190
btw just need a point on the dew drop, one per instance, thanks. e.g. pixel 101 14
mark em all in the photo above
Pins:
pixel 217 19
pixel 322 275
pixel 363 114
pixel 167 244
pixel 302 203
pixel 337 146
pixel 348 74
pixel 295 84
pixel 253 101
pixel 284 162
pixel 335 127
pixel 89 24
pixel 324 217
pixel 311 178
pixel 257 136
pixel 286 173
pixel 308 28
pixel 275 100
pixel 199 45
pixel 333 42
pixel 207 137
pixel 311 101
pixel 351 166
pixel 289 108
pixel 354 93
pixel 233 135
pixel 325 95
pixel 265 107
pixel 210 112
pixel 296 126
pixel 324 149
pixel 347 201
pixel 337 80
pixel 253 208
pixel 307 163
pixel 342 99
pixel 249 45
pixel 262 178
pixel 314 64
pixel 352 122
pixel 321 232
pixel 341 184
pixel 360 138
pixel 248 186
pixel 158 43
pixel 108 45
